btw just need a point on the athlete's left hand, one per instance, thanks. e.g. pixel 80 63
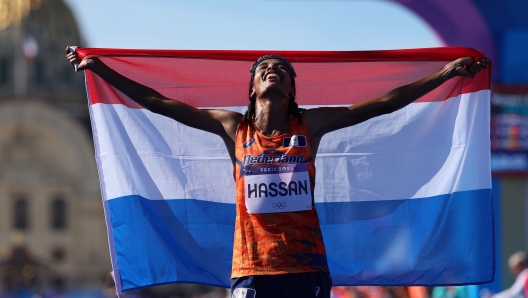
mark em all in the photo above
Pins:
pixel 467 67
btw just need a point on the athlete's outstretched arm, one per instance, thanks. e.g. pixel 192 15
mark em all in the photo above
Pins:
pixel 220 122
pixel 323 120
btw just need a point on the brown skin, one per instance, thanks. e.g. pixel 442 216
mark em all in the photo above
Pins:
pixel 272 88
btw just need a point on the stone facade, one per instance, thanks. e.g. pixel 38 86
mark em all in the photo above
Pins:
pixel 49 189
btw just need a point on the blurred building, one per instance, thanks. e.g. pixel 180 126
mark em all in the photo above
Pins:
pixel 52 225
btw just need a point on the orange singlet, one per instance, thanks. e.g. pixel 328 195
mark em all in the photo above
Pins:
pixel 277 228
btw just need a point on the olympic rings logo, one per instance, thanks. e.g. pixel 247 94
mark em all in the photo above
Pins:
pixel 280 205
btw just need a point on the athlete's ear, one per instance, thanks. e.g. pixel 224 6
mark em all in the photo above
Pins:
pixel 253 93
pixel 291 93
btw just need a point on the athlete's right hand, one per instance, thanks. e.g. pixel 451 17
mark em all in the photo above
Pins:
pixel 73 58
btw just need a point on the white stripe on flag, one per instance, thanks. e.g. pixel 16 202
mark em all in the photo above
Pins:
pixel 146 154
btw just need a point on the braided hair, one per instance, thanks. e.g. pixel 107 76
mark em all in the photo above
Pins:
pixel 293 108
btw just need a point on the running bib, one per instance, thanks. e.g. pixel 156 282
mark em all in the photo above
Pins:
pixel 277 188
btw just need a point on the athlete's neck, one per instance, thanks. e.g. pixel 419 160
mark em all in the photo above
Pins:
pixel 271 116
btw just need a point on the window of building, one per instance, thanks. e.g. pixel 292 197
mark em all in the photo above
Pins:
pixel 39 72
pixel 21 212
pixel 67 74
pixel 4 71
pixel 58 254
pixel 58 213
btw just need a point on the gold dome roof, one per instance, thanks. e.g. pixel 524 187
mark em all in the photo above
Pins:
pixel 53 25
pixel 51 22
pixel 48 75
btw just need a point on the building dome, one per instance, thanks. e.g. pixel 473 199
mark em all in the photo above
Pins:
pixel 49 189
pixel 48 26
pixel 53 25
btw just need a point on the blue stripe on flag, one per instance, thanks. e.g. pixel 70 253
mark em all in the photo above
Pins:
pixel 159 241
pixel 405 242
pixel 441 240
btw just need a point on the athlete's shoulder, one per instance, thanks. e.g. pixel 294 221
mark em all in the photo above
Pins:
pixel 321 120
pixel 318 114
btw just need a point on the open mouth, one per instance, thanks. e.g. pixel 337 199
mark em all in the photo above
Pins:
pixel 272 77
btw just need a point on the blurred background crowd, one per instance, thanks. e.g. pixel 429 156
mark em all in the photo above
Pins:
pixel 52 227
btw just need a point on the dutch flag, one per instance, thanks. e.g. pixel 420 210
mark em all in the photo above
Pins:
pixel 403 199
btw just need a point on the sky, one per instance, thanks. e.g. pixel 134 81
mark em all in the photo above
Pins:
pixel 251 25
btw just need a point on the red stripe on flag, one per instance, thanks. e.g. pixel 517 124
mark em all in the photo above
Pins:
pixel 442 53
pixel 217 81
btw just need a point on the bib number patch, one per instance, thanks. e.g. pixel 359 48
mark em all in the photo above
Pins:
pixel 277 188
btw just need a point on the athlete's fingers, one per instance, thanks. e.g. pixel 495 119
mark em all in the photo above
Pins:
pixel 475 69
pixel 71 56
pixel 74 60
pixel 484 62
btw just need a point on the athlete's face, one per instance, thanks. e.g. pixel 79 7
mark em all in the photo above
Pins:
pixel 273 76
